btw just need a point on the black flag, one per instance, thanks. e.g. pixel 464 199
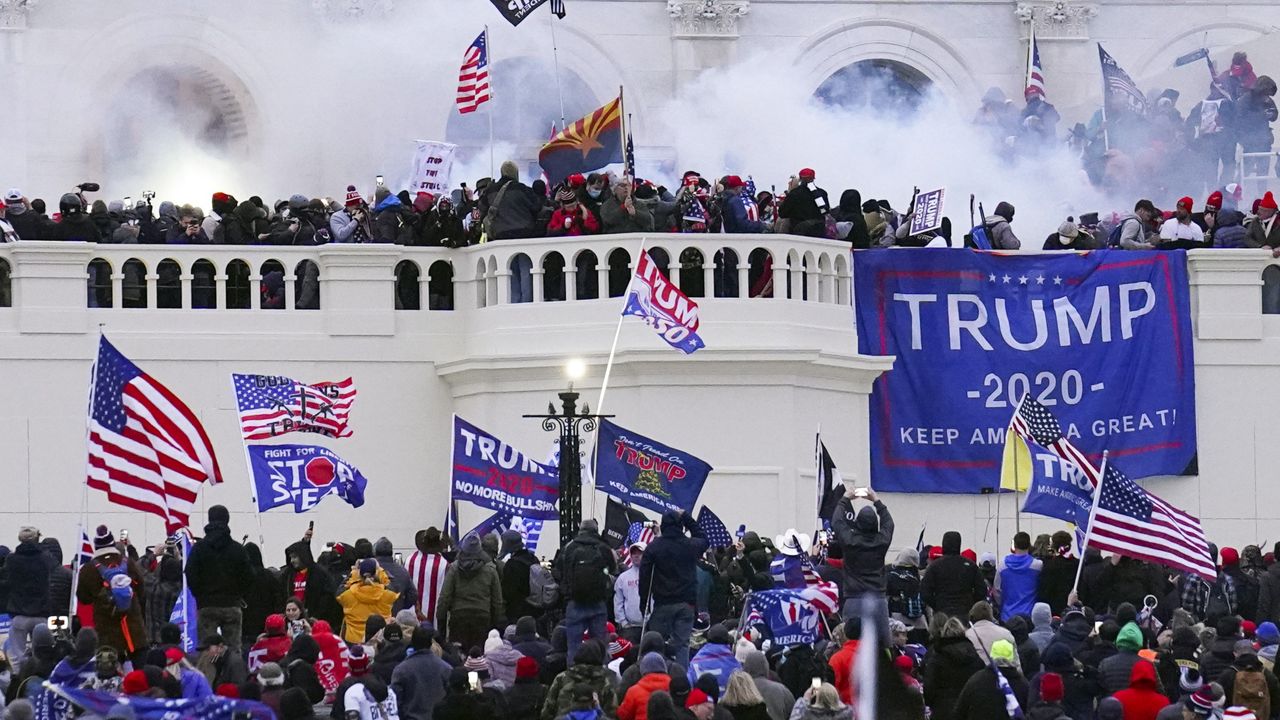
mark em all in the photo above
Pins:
pixel 830 485
pixel 617 521
pixel 517 10
pixel 557 8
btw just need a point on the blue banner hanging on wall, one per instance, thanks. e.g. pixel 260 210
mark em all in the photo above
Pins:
pixel 1103 339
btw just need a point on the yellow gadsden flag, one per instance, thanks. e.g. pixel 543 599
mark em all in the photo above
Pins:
pixel 1015 469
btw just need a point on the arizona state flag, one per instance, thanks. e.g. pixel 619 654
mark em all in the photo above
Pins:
pixel 588 144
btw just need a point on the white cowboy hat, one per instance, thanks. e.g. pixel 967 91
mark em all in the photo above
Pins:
pixel 792 542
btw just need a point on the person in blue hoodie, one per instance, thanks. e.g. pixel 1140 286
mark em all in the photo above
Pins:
pixel 1017 580
pixel 194 684
pixel 716 658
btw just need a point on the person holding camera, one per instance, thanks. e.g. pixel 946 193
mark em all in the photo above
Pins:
pixel 864 537
pixel 571 218
pixel 187 231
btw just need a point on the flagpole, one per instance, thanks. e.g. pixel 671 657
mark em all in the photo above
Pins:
pixel 488 49
pixel 817 471
pixel 555 57
pixel 1093 511
pixel 248 466
pixel 84 494
pixel 1106 141
pixel 1017 474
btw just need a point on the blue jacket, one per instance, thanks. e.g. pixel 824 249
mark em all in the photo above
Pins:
pixel 716 660
pixel 194 685
pixel 26 573
pixel 668 572
pixel 736 219
pixel 1017 581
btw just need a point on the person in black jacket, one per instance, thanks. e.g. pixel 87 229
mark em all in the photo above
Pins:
pixel 318 588
pixel 300 668
pixel 585 567
pixel 515 577
pixel 218 575
pixel 260 600
pixel 59 577
pixel 401 583
pixel 76 224
pixel 1057 574
pixel 952 583
pixel 806 207
pixel 26 575
pixel 864 539
pixel 949 664
pixel 668 574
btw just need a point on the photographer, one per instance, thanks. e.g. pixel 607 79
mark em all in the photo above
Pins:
pixel 571 218
pixel 351 223
pixel 187 231
pixel 864 539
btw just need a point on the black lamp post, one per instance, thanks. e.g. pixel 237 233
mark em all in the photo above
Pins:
pixel 570 424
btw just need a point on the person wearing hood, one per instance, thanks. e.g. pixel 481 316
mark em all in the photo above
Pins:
pixel 654 677
pixel 525 696
pixel 668 578
pixel 999 228
pixel 502 659
pixel 1115 671
pixel 260 600
pixel 1028 652
pixel 527 642
pixel 1255 111
pixel 300 668
pixel 471 600
pixel 43 658
pixel 1041 625
pixel 80 668
pixel 465 701
pixel 864 539
pixel 117 605
pixel 902 588
pixel 586 565
pixel 1142 699
pixel 777 698
pixel 997 115
pixel 1246 682
pixel 272 646
pixel 393 222
pixel 1080 685
pixel 25 575
pixel 368 595
pixel 310 582
pixel 1016 582
pixel 983 697
pixel 851 225
pixel 952 583
pixel 715 658
pixel 587 670
pixel 218 575
pixel 398 577
pixel 948 665
pixel 515 576
pixel 1228 230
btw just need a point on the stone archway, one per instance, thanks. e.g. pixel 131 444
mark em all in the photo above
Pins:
pixel 878 83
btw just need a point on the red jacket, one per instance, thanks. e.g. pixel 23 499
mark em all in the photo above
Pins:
pixel 583 222
pixel 1141 700
pixel 269 648
pixel 635 706
pixel 842 665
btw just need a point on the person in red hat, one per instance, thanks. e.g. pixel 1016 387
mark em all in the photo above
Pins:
pixel 1264 231
pixel 739 209
pixel 271 646
pixel 1052 692
pixel 806 209
pixel 1178 231
pixel 1209 216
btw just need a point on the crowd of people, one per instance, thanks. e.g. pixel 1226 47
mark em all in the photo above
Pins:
pixel 483 629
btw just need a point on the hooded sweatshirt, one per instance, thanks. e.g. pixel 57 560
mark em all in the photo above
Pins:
pixel 777 698
pixel 218 569
pixel 472 586
pixel 1042 625
pixel 952 583
pixel 864 539
pixel 668 570
pixel 359 602
pixel 1116 671
pixel 1142 700
pixel 1017 584
pixel 401 583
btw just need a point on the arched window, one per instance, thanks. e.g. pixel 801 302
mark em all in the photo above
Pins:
pixel 482 283
pixel 585 276
pixel 1271 290
pixel 793 276
pixel 100 283
pixel 553 277
pixel 619 272
pixel 826 291
pixel 842 279
pixel 408 296
pixel 726 273
pixel 662 259
pixel 306 288
pixel 135 284
pixel 521 268
pixel 6 289
pixel 440 285
pixel 169 285
pixel 692 282
pixel 238 285
pixel 271 288
pixel 760 274
pixel 204 287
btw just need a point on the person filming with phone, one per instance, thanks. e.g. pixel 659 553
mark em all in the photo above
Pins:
pixel 864 537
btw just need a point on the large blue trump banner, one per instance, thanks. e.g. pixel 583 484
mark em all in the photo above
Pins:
pixel 490 473
pixel 1102 339
pixel 642 471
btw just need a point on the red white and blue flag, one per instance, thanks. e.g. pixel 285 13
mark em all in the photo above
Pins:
pixel 271 405
pixel 473 76
pixel 657 301
pixel 1035 73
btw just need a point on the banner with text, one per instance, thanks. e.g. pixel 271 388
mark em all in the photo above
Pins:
pixel 1103 339
pixel 927 216
pixel 432 166
pixel 492 474
pixel 644 472
pixel 1058 488
pixel 301 475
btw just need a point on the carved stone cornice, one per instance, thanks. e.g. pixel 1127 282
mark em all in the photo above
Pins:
pixel 706 18
pixel 13 13
pixel 1056 19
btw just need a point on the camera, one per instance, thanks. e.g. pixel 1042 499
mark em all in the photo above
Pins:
pixel 148 194
pixel 88 187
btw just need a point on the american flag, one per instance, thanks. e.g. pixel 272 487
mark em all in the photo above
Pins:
pixel 500 522
pixel 1034 421
pixel 1119 89
pixel 271 406
pixel 427 573
pixel 694 212
pixel 711 526
pixel 86 548
pixel 100 704
pixel 796 572
pixel 1035 73
pixel 473 77
pixel 639 532
pixel 147 450
pixel 451 521
pixel 630 154
pixel 1132 522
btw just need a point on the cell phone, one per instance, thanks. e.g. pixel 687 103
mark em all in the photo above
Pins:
pixel 473 678
pixel 815 683
pixel 311 526
pixel 124 535
pixel 399 558
pixel 59 622
pixel 742 531
pixel 379 181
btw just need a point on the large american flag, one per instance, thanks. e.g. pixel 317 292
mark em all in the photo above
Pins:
pixel 473 77
pixel 713 527
pixel 271 405
pixel 1132 522
pixel 427 573
pixel 1033 421
pixel 1119 89
pixel 1035 73
pixel 147 450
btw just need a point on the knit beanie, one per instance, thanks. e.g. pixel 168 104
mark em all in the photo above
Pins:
pixel 652 663
pixel 526 668
pixel 493 643
pixel 1051 689
pixel 353 196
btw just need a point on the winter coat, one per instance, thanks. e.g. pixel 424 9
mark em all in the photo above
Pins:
pixel 777 698
pixel 1042 625
pixel 1257 235
pixel 419 685
pixel 31 225
pixel 260 600
pixel 347 229
pixel 218 571
pixel 1269 595
pixel 841 664
pixel 864 539
pixel 1129 581
pixel 757 711
pixel 515 585
pixel 524 699
pixel 1046 711
pixel 320 589
pixel 805 203
pixel 804 711
pixel 1116 671
pixel 715 660
pixel 1229 230
pixel 392 222
pixel 163 586
pixel 268 648
pixel 1017 582
pixel 471 587
pixel 952 583
pixel 572 222
pixel 617 220
pixel 740 213
pixel 78 227
pixel 1142 700
pixel 984 633
pixel 1057 575
pixel 1220 656
pixel 59 577
pixel 26 575
pixel 560 695
pixel 635 705
pixel 1001 234
pixel 514 207
pixel 668 568
pixel 300 668
pixel 113 626
pixel 1080 691
pixel 359 602
pixel 400 582
pixel 1228 682
pixel 502 663
pixel 982 698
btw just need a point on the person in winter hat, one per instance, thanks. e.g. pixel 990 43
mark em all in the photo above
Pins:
pixel 1042 625
pixel 983 697
pixel 1049 706
pixel 471 600
pixel 218 574
pixel 668 574
pixel 367 597
pixel 25 575
pixel 1248 683
pixel 1142 700
pixel 194 684
pixel 1264 231
pixel 864 537
pixel 525 697
pixel 502 659
pixel 999 230
pixel 398 580
pixel 113 586
pixel 654 677
pixel 1116 671
pixel 777 698
pixel 952 583
pixel 587 669
pixel 515 576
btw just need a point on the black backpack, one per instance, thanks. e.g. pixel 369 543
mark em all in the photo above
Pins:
pixel 903 591
pixel 584 568
pixel 1218 604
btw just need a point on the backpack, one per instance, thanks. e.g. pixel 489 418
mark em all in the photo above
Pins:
pixel 116 579
pixel 489 217
pixel 543 590
pixel 904 592
pixel 1218 604
pixel 1113 237
pixel 1251 691
pixel 584 569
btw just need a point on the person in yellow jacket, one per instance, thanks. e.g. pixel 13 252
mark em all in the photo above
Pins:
pixel 366 595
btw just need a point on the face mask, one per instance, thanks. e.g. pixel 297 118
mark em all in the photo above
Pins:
pixel 593 192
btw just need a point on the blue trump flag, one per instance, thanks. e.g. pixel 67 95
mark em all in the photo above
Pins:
pixel 490 473
pixel 57 702
pixel 1102 339
pixel 641 471
pixel 185 612
pixel 1059 488
pixel 788 614
pixel 301 475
